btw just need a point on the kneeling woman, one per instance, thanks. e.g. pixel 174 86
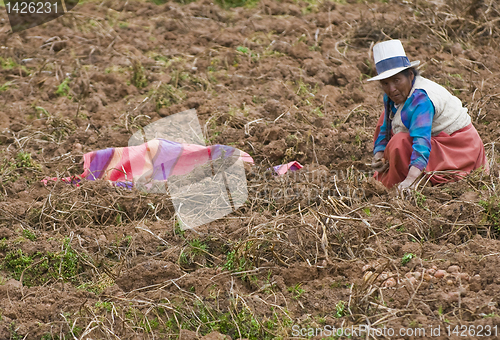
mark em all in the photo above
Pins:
pixel 423 127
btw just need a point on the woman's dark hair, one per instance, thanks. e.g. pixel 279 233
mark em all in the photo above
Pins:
pixel 410 70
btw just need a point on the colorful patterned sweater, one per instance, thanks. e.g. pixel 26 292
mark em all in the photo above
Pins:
pixel 417 115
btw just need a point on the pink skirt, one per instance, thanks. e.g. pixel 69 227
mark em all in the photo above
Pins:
pixel 462 151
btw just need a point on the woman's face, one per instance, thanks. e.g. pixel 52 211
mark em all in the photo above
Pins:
pixel 398 87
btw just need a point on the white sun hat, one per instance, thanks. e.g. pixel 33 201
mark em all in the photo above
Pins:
pixel 390 59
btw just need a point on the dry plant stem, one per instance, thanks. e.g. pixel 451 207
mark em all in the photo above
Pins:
pixel 150 232
pixel 416 290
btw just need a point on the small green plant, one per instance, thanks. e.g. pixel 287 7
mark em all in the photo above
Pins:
pixel 312 6
pixel 41 112
pixel 406 258
pixel 337 284
pixel 24 160
pixel 168 95
pixel 16 262
pixel 247 324
pixel 198 247
pixel 124 242
pixel 63 89
pixel 138 75
pixel 178 229
pixel 419 199
pixel 258 99
pixel 8 63
pixel 150 325
pixel 296 291
pixel 74 330
pixel 491 213
pixel 233 263
pixel 305 91
pixel 367 211
pixel 3 244
pixel 39 267
pixel 195 248
pixel 414 324
pixel 29 235
pixel 5 86
pixel 69 261
pixel 321 320
pixel 358 140
pixel 119 216
pixel 114 69
pixel 13 332
pixel 340 309
pixel 317 112
pixel 242 49
pixel 104 305
pixel 236 3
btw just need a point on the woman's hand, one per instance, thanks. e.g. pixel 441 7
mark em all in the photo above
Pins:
pixel 410 181
pixel 378 163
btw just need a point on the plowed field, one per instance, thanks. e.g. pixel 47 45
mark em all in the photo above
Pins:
pixel 282 81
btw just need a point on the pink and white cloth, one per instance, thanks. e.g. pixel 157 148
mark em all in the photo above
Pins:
pixel 157 159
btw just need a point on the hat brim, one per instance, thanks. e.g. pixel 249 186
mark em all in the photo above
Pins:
pixel 390 73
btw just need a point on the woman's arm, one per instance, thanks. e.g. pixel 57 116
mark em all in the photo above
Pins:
pixel 418 117
pixel 381 140
pixel 413 174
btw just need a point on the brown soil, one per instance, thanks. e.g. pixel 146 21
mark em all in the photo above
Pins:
pixel 282 81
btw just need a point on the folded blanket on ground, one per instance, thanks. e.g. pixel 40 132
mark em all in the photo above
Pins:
pixel 157 160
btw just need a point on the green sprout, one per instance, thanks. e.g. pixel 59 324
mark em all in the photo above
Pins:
pixel 407 257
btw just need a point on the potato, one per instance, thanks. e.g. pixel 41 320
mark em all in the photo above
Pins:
pixel 439 274
pixel 390 282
